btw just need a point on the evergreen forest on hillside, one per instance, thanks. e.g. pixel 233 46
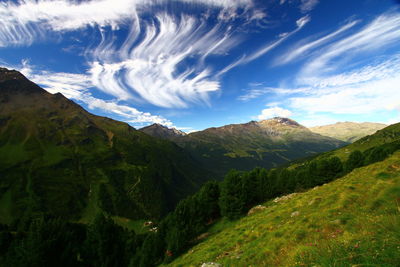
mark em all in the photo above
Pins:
pixel 50 241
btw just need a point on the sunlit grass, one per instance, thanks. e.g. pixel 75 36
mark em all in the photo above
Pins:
pixel 354 220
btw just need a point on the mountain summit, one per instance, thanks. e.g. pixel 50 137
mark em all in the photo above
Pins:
pixel 13 82
pixel 276 121
pixel 163 132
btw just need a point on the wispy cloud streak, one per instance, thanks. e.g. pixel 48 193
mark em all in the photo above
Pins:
pixel 268 47
pixel 372 88
pixel 262 51
pixel 308 5
pixel 301 51
pixel 383 31
pixel 25 21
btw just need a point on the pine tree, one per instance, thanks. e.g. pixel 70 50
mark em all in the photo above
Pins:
pixel 231 201
pixel 355 160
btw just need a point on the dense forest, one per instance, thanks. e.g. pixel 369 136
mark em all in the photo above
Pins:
pixel 50 241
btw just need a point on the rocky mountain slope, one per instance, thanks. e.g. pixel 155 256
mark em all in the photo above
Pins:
pixel 348 131
pixel 58 159
pixel 162 132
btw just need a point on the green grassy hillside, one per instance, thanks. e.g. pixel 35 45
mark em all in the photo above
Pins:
pixel 348 131
pixel 353 221
pixel 58 159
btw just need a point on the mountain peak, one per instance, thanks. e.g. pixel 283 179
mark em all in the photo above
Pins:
pixel 13 81
pixel 6 74
pixel 161 131
pixel 280 121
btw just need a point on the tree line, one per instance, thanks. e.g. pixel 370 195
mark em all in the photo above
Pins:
pixel 48 241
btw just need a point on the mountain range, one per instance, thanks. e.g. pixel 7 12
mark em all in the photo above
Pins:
pixel 57 158
pixel 267 143
pixel 62 167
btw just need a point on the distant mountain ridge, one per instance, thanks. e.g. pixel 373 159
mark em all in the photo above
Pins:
pixel 267 143
pixel 56 158
pixel 348 131
pixel 163 132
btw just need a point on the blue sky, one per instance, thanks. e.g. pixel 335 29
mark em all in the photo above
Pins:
pixel 194 64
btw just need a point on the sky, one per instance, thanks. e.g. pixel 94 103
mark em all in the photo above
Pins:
pixel 194 64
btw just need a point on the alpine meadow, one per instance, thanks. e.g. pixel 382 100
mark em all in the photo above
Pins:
pixel 199 133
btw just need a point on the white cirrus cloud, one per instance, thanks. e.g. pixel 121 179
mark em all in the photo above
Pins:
pixel 327 85
pixel 381 32
pixel 268 47
pixel 300 24
pixel 366 90
pixel 362 98
pixel 150 66
pixel 300 51
pixel 308 5
pixel 258 91
pixel 25 21
pixel 129 114
pixel 154 64
pixel 274 112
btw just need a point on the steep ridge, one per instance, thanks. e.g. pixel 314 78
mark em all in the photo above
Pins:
pixel 348 131
pixel 58 159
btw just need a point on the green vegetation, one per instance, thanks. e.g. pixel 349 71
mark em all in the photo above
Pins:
pixel 354 220
pixel 57 159
pixel 79 190
pixel 54 242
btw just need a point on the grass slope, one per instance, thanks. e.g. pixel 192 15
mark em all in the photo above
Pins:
pixel 354 220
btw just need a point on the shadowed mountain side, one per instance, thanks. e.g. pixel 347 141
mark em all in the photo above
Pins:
pixel 57 158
